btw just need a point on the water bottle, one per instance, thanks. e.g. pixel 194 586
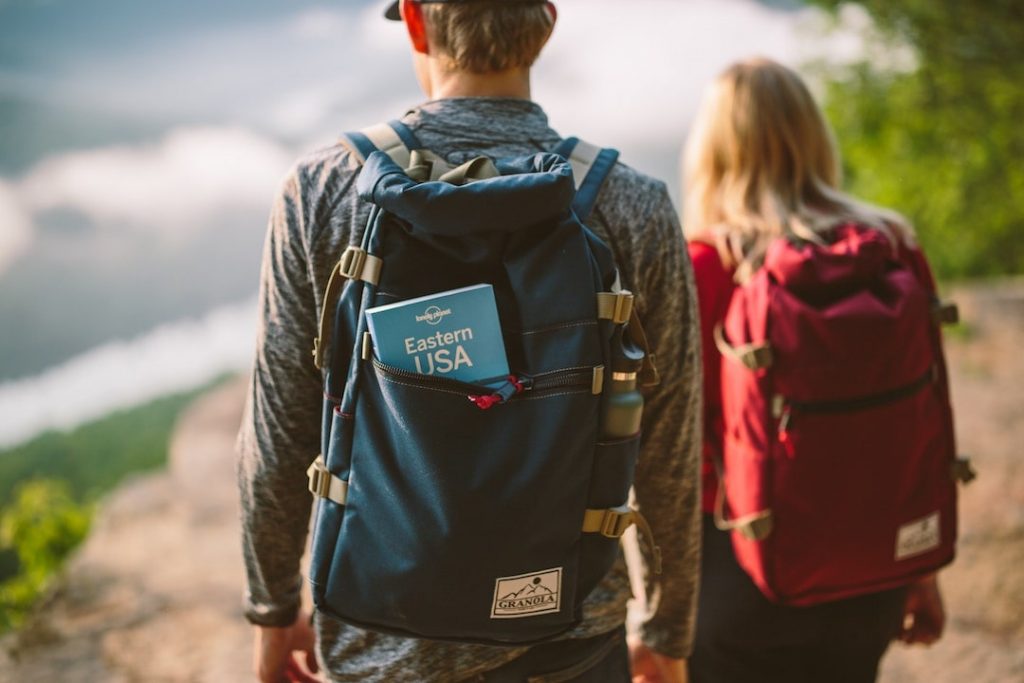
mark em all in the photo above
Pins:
pixel 623 402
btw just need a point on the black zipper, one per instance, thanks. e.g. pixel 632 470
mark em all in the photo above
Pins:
pixel 783 408
pixel 555 379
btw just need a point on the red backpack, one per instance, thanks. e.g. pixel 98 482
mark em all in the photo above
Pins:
pixel 839 457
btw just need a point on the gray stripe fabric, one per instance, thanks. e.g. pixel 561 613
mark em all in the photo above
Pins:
pixel 315 215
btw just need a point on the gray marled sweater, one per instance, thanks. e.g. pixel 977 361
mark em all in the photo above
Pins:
pixel 315 215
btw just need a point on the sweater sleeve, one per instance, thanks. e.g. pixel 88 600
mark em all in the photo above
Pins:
pixel 668 472
pixel 279 434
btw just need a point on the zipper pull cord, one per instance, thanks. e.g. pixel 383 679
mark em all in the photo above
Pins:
pixel 512 386
pixel 784 437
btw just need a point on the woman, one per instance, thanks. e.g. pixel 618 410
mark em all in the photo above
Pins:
pixel 761 164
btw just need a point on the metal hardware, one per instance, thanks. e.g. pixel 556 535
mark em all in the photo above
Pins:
pixel 597 383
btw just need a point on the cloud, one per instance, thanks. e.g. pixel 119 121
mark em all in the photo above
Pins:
pixel 634 72
pixel 173 357
pixel 16 232
pixel 171 188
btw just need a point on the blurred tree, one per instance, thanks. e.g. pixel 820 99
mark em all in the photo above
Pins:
pixel 942 142
pixel 42 525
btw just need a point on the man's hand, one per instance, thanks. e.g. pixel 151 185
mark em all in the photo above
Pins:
pixel 651 667
pixel 286 655
pixel 923 614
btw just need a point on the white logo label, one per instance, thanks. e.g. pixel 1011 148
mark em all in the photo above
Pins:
pixel 918 537
pixel 433 315
pixel 527 595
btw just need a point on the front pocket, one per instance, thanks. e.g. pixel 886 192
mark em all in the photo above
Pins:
pixel 845 478
pixel 448 504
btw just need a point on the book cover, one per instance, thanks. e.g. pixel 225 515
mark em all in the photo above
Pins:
pixel 454 334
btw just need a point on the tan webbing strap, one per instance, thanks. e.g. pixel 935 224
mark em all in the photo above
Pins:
pixel 962 471
pixel 581 159
pixel 751 356
pixel 386 140
pixel 479 168
pixel 354 264
pixel 754 527
pixel 945 313
pixel 615 306
pixel 648 375
pixel 323 484
pixel 613 522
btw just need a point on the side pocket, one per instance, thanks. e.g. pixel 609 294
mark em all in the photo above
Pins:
pixel 614 462
pixel 329 514
pixel 610 480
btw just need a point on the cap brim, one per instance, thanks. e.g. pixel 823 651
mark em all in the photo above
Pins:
pixel 392 12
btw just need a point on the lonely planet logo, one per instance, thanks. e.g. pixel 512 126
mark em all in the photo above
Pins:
pixel 527 595
pixel 433 315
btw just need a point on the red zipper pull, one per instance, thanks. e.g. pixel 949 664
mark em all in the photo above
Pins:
pixel 784 437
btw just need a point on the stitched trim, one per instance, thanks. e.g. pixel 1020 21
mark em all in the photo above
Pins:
pixel 390 380
pixel 555 372
pixel 524 397
pixel 555 328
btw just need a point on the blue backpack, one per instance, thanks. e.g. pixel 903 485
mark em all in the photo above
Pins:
pixel 486 520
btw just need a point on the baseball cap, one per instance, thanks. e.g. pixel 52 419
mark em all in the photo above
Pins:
pixel 393 14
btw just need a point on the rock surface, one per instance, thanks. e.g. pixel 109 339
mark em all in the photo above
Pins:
pixel 154 593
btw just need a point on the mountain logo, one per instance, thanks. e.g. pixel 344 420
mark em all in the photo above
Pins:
pixel 527 595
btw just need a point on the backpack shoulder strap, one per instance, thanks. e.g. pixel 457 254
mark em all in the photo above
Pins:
pixel 590 167
pixel 393 138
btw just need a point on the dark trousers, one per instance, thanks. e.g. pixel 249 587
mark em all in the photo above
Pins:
pixel 601 659
pixel 742 637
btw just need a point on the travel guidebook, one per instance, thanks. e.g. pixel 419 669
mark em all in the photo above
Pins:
pixel 454 334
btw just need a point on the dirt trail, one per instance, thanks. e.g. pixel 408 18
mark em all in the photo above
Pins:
pixel 154 593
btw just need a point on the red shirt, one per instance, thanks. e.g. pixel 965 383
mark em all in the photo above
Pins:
pixel 714 289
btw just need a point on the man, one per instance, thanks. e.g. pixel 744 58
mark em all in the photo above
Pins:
pixel 473 60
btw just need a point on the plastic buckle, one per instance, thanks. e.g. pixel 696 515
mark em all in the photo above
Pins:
pixel 616 521
pixel 319 479
pixel 623 307
pixel 352 261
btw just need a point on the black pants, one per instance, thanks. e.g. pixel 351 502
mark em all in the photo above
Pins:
pixel 601 659
pixel 742 637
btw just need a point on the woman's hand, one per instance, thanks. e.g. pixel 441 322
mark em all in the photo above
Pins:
pixel 924 617
pixel 651 667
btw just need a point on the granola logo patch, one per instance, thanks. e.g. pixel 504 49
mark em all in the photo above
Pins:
pixel 918 536
pixel 527 595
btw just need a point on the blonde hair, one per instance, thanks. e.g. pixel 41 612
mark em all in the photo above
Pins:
pixel 761 163
pixel 483 37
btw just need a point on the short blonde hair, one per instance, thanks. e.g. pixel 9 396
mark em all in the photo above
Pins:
pixel 761 163
pixel 489 36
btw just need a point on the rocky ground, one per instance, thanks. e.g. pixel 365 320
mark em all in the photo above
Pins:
pixel 154 593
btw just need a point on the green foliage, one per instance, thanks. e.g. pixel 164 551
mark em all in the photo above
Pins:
pixel 42 525
pixel 95 457
pixel 48 487
pixel 943 143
